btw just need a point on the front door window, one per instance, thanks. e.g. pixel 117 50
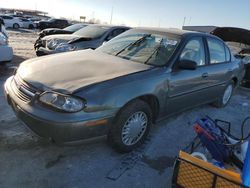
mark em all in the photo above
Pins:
pixel 194 51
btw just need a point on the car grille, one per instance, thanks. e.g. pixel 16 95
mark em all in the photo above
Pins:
pixel 22 90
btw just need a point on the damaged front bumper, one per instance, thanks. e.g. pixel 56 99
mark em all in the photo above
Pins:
pixel 41 51
pixel 58 126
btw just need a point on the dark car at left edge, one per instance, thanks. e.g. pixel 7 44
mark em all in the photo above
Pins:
pixel 52 23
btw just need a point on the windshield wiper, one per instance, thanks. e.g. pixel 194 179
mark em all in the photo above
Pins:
pixel 155 51
pixel 140 40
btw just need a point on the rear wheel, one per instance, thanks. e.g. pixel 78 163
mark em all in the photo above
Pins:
pixel 131 126
pixel 226 96
pixel 16 26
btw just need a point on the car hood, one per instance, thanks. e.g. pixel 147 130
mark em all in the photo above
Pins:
pixel 233 34
pixel 63 37
pixel 70 71
pixel 54 31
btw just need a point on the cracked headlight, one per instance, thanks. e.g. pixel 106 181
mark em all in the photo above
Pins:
pixel 62 102
pixel 64 47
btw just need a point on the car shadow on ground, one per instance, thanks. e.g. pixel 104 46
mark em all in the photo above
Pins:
pixel 8 68
pixel 17 60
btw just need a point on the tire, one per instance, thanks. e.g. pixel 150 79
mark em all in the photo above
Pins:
pixel 31 26
pixel 16 26
pixel 125 121
pixel 224 99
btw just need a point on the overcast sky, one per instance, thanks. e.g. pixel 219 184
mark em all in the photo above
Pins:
pixel 163 13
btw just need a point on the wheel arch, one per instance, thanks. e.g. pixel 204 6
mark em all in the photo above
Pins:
pixel 153 103
pixel 15 24
pixel 151 100
pixel 235 80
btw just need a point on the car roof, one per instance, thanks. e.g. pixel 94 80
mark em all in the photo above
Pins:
pixel 109 26
pixel 174 31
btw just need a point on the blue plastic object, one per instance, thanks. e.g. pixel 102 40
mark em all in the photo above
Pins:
pixel 246 168
pixel 219 164
pixel 211 137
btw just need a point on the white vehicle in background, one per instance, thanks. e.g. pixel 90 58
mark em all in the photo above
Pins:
pixel 5 50
pixel 12 22
pixel 27 23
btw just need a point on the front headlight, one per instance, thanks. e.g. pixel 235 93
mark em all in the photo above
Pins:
pixel 62 102
pixel 64 47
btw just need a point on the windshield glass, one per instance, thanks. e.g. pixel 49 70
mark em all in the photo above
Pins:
pixel 74 28
pixel 147 48
pixel 92 31
pixel 50 20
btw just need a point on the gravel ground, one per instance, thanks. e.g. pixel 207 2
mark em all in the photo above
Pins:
pixel 29 161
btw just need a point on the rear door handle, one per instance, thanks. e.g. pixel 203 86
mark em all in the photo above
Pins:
pixel 205 75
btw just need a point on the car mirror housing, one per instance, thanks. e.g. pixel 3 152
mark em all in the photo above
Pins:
pixel 187 64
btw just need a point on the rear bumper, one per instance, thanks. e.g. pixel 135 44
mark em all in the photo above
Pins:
pixel 61 127
pixel 6 53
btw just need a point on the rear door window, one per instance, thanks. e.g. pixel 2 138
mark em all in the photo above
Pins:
pixel 216 51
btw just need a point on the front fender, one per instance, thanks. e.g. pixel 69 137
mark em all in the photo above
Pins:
pixel 113 95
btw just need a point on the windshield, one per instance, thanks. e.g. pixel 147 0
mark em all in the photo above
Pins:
pixel 92 31
pixel 74 28
pixel 153 49
pixel 50 20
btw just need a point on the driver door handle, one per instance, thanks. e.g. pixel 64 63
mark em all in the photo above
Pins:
pixel 205 75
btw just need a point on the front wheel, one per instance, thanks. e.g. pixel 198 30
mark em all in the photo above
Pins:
pixel 16 26
pixel 226 96
pixel 131 126
pixel 31 26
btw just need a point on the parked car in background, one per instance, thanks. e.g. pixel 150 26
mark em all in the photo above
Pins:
pixel 12 22
pixel 52 23
pixel 67 30
pixel 119 89
pixel 91 36
pixel 28 24
pixel 6 52
pixel 2 28
pixel 16 15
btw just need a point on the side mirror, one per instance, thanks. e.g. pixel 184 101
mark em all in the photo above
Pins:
pixel 187 64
